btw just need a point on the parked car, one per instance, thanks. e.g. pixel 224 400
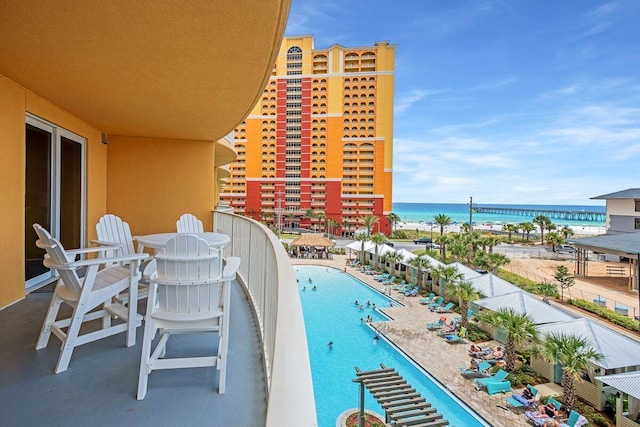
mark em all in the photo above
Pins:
pixel 565 249
pixel 422 240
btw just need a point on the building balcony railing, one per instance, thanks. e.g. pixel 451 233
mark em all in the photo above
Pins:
pixel 270 282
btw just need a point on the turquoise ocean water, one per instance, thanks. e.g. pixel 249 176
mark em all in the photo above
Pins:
pixel 459 212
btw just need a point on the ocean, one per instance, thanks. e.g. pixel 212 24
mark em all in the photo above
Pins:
pixel 459 212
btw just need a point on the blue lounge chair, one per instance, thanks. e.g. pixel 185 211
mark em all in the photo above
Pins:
pixel 541 421
pixel 444 309
pixel 501 375
pixel 469 315
pixel 458 338
pixel 517 401
pixel 437 303
pixel 482 369
pixel 573 419
pixel 413 292
pixel 381 277
pixel 427 300
pixel 435 325
pixel 494 387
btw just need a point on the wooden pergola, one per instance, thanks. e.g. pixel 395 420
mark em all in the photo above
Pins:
pixel 403 405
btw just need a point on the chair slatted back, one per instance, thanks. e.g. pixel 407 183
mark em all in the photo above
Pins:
pixel 112 228
pixel 57 259
pixel 188 276
pixel 188 223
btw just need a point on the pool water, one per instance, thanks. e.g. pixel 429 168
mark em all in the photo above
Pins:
pixel 330 315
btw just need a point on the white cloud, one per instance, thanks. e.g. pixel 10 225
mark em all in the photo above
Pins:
pixel 406 100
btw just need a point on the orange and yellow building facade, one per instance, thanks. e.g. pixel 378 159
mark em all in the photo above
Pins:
pixel 316 150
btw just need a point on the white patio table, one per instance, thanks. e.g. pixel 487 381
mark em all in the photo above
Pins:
pixel 158 241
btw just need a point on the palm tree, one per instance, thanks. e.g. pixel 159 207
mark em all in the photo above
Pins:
pixel 369 221
pixel 320 216
pixel 332 225
pixel 554 239
pixel 510 228
pixel 393 258
pixel 443 241
pixel 309 213
pixel 527 228
pixel 465 293
pixel 420 263
pixel 393 220
pixel 567 232
pixel 447 275
pixel 541 221
pixel 362 237
pixel 378 239
pixel 442 220
pixel 520 330
pixel 495 261
pixel 544 223
pixel 574 354
pixel 346 225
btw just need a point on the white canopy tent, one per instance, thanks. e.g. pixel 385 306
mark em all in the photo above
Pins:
pixel 524 303
pixel 491 285
pixel 382 249
pixel 357 246
pixel 619 351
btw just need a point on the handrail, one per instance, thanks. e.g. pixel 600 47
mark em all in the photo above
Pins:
pixel 268 277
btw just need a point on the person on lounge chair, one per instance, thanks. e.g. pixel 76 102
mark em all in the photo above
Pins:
pixel 496 355
pixel 547 413
pixel 473 365
pixel 449 328
pixel 526 398
pixel 474 350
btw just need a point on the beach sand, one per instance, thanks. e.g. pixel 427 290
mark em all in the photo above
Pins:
pixel 579 230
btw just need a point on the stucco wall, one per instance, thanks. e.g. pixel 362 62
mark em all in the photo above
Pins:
pixel 15 103
pixel 151 182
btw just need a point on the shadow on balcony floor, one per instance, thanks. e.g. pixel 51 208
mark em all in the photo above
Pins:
pixel 100 385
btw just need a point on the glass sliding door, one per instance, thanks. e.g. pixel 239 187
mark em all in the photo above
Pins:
pixel 54 193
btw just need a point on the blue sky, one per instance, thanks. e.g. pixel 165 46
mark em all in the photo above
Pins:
pixel 508 101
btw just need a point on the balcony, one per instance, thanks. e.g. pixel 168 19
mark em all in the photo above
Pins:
pixel 101 382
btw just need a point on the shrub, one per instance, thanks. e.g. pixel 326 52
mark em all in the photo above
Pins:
pixel 521 282
pixel 610 315
pixel 399 234
pixel 476 334
pixel 523 375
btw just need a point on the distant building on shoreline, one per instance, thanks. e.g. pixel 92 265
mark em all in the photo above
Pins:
pixel 316 151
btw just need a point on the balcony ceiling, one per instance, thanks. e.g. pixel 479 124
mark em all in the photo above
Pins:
pixel 185 69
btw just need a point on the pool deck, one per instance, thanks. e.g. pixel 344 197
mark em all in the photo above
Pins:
pixel 442 360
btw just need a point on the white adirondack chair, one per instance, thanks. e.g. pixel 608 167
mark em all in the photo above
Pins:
pixel 113 231
pixel 84 294
pixel 188 223
pixel 188 294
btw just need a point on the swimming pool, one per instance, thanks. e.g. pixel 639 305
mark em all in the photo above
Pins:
pixel 330 315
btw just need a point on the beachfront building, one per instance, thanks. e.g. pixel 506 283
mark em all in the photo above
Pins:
pixel 621 242
pixel 316 150
pixel 123 107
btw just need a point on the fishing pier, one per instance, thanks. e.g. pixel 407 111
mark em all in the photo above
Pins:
pixel 581 215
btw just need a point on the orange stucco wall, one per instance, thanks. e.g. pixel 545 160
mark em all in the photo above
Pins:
pixel 15 103
pixel 151 182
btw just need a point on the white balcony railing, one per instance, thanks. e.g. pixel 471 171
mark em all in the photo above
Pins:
pixel 268 278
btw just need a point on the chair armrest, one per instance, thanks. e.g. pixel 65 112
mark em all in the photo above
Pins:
pixel 98 261
pixel 105 243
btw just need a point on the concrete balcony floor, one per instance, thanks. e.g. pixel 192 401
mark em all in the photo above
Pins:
pixel 99 388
